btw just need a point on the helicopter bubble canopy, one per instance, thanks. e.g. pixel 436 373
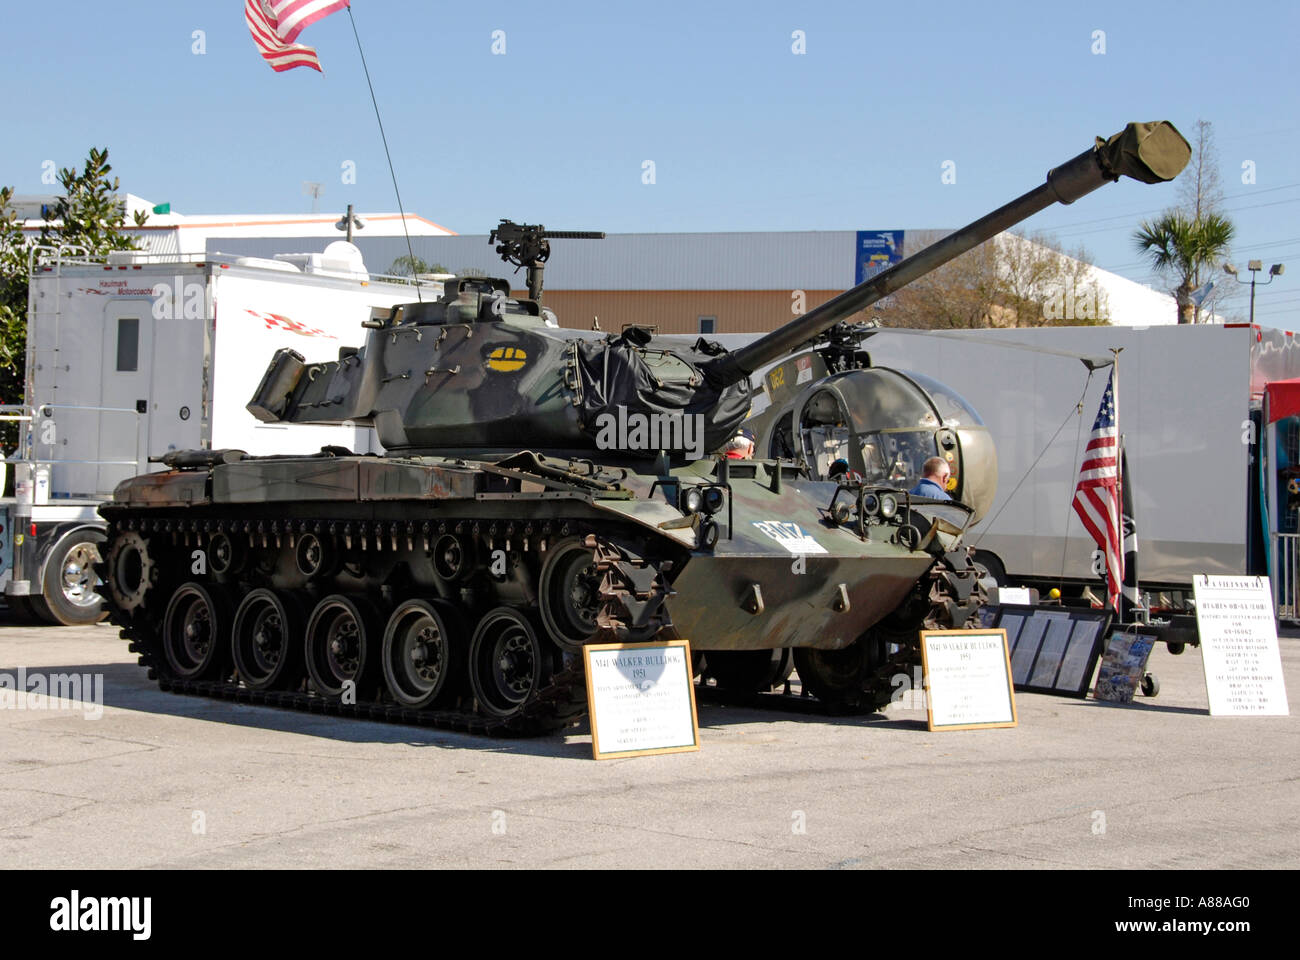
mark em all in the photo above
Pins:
pixel 887 423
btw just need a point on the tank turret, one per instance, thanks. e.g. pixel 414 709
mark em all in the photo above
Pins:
pixel 474 371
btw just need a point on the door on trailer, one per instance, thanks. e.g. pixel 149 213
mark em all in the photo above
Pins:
pixel 152 384
pixel 124 393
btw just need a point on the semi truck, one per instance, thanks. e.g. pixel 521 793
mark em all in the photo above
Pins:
pixel 135 355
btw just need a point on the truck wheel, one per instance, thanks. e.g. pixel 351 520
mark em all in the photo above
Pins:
pixel 23 610
pixel 994 565
pixel 69 585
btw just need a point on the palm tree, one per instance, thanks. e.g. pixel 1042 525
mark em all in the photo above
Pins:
pixel 1183 246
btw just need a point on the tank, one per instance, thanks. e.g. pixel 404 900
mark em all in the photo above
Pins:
pixel 542 489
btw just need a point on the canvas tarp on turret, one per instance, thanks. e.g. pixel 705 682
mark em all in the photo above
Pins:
pixel 635 372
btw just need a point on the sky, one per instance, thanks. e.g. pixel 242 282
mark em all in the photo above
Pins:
pixel 556 124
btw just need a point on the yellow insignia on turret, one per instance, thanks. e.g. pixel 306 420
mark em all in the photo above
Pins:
pixel 507 359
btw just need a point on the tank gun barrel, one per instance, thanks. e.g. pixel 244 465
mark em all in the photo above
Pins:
pixel 1147 152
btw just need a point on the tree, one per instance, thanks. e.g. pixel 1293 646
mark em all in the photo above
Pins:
pixel 409 266
pixel 1188 242
pixel 87 215
pixel 1183 247
pixel 1200 191
pixel 1010 281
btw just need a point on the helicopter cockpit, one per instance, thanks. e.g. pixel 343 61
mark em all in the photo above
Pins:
pixel 885 424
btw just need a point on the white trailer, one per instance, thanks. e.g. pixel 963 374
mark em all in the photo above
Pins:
pixel 138 354
pixel 1189 413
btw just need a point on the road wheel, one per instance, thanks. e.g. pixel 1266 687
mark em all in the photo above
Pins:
pixel 194 633
pixel 510 660
pixel 267 640
pixel 840 678
pixel 69 586
pixel 342 644
pixel 749 671
pixel 423 654
pixel 569 594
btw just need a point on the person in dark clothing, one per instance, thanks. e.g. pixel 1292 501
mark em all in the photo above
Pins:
pixel 934 480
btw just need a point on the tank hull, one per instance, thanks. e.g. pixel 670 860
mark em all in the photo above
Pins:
pixel 280 540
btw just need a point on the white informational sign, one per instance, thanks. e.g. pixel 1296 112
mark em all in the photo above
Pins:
pixel 967 679
pixel 1243 669
pixel 1018 595
pixel 642 699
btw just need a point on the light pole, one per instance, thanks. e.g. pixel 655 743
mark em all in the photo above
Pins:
pixel 1254 266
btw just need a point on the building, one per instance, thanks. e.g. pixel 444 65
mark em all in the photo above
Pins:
pixel 687 283
pixel 682 283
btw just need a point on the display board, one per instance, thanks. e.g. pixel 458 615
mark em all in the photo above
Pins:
pixel 642 699
pixel 1122 666
pixel 1243 668
pixel 1053 649
pixel 967 679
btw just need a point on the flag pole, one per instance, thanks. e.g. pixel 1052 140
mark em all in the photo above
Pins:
pixel 1119 477
pixel 384 138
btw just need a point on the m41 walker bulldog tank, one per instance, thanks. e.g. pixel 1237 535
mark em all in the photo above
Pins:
pixel 541 490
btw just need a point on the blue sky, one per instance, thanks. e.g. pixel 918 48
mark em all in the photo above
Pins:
pixel 744 134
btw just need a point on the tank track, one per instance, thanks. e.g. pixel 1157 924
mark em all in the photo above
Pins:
pixel 561 702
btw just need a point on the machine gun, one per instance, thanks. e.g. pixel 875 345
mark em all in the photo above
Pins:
pixel 528 245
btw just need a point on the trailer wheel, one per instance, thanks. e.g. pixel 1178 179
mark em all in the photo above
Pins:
pixel 1150 685
pixel 68 587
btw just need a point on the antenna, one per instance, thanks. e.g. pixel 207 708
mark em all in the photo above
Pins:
pixel 310 188
pixel 384 139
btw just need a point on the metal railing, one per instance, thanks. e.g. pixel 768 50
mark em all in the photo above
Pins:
pixel 53 259
pixel 26 454
pixel 1286 576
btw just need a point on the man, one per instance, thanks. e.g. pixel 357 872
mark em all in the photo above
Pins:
pixel 840 470
pixel 741 446
pixel 934 480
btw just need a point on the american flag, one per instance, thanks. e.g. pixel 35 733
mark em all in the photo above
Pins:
pixel 1097 498
pixel 275 24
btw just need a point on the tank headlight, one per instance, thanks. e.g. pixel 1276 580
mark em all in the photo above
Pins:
pixel 841 512
pixel 691 500
pixel 714 498
pixel 870 504
pixel 888 505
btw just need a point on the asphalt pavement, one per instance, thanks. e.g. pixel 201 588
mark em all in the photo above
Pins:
pixel 154 779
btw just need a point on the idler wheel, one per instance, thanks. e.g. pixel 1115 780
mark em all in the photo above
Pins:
pixel 569 594
pixel 423 654
pixel 341 644
pixel 267 640
pixel 313 556
pixel 510 660
pixel 194 632
pixel 839 678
